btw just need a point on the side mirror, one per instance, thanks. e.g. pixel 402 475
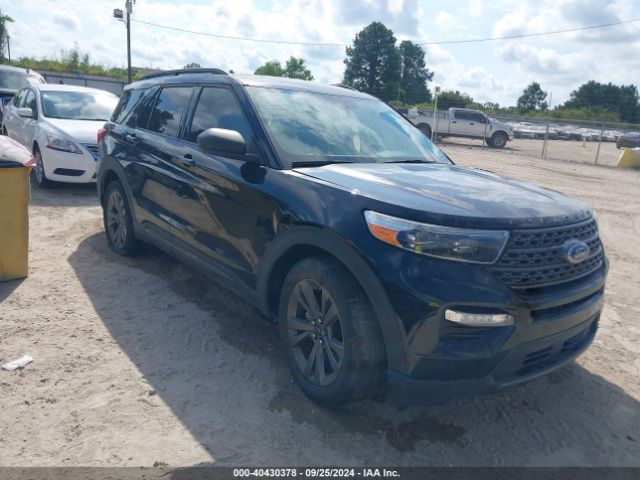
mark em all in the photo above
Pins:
pixel 220 140
pixel 25 112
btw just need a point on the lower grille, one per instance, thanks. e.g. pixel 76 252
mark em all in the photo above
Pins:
pixel 68 172
pixel 534 258
pixel 529 360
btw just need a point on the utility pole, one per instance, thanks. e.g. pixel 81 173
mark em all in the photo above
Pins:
pixel 434 128
pixel 129 7
pixel 9 47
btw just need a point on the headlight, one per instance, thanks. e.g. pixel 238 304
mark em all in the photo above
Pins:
pixel 463 245
pixel 59 143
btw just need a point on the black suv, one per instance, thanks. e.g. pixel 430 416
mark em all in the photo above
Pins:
pixel 386 267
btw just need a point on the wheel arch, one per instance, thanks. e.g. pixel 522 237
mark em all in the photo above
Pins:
pixel 302 242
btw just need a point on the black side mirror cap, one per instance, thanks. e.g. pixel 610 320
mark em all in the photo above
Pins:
pixel 220 140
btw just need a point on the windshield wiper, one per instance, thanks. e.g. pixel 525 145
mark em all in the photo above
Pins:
pixel 318 163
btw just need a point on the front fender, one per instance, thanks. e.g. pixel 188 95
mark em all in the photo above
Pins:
pixel 392 330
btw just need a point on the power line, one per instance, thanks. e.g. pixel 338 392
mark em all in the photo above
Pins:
pixel 444 42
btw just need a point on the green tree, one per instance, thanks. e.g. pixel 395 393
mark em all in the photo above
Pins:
pixel 4 34
pixel 293 68
pixel 373 63
pixel 623 99
pixel 271 68
pixel 453 99
pixel 296 68
pixel 532 98
pixel 191 65
pixel 414 74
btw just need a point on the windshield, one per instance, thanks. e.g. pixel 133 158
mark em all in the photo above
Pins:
pixel 13 80
pixel 78 105
pixel 308 127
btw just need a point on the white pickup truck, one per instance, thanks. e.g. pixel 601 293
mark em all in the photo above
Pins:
pixel 460 122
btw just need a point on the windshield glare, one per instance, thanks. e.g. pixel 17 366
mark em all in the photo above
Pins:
pixel 78 105
pixel 314 127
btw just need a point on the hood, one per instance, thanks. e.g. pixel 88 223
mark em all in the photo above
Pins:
pixel 452 195
pixel 80 131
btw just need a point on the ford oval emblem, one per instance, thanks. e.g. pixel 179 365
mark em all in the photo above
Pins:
pixel 575 251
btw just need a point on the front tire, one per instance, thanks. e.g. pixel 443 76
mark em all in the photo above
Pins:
pixel 498 140
pixel 329 332
pixel 118 221
pixel 38 170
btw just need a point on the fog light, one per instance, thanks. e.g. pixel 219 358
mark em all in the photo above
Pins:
pixel 482 319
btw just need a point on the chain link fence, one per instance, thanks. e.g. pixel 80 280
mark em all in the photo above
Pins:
pixel 598 143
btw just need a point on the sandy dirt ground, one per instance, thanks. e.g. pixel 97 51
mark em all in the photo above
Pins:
pixel 142 362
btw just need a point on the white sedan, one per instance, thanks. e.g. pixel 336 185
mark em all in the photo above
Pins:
pixel 59 124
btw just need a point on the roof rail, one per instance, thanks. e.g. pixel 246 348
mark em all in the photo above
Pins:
pixel 348 87
pixel 184 71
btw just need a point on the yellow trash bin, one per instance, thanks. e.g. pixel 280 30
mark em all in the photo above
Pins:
pixel 14 222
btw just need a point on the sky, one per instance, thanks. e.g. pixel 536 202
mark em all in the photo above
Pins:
pixel 494 71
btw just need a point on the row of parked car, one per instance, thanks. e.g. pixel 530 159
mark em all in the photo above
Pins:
pixel 58 123
pixel 568 132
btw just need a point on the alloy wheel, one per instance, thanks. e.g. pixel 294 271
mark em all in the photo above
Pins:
pixel 315 333
pixel 116 219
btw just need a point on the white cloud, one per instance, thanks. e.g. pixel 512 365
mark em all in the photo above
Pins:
pixel 67 20
pixel 444 18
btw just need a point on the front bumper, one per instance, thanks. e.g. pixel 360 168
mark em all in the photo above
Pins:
pixel 69 167
pixel 522 363
pixel 441 359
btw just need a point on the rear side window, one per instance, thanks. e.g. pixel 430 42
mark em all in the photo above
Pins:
pixel 218 108
pixel 462 115
pixel 168 110
pixel 128 100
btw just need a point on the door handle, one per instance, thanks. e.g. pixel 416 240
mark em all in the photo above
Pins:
pixel 471 123
pixel 454 121
pixel 130 137
pixel 188 160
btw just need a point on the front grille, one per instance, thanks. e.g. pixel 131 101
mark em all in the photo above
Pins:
pixel 93 150
pixel 534 258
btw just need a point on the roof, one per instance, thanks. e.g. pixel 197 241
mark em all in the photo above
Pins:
pixel 56 87
pixel 294 84
pixel 9 68
pixel 176 77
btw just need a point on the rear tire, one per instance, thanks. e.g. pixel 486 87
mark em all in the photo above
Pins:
pixel 38 170
pixel 118 221
pixel 425 129
pixel 498 140
pixel 330 333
